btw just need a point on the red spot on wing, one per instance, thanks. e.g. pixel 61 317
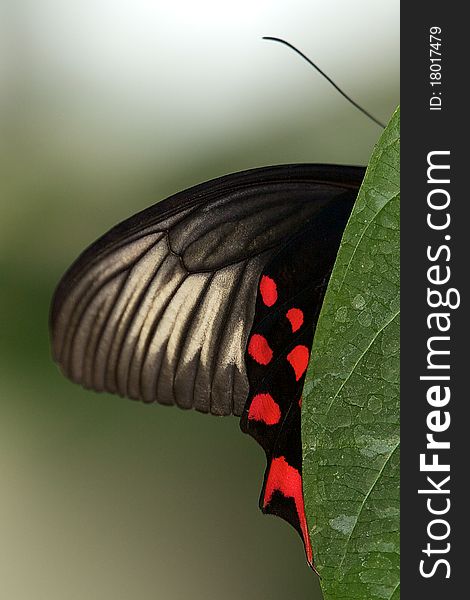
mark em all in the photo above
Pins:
pixel 268 290
pixel 259 350
pixel 264 408
pixel 298 359
pixel 296 318
pixel 287 480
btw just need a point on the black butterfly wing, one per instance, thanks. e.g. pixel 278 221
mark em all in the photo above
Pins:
pixel 290 294
pixel 175 305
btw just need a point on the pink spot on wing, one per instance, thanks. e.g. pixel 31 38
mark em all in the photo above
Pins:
pixel 298 359
pixel 264 408
pixel 296 318
pixel 268 290
pixel 287 480
pixel 259 350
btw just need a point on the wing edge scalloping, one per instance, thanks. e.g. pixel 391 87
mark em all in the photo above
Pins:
pixel 146 362
pixel 77 359
pixel 85 305
pixel 195 358
pixel 233 333
pixel 221 336
pixel 208 356
pixel 176 336
pixel 65 305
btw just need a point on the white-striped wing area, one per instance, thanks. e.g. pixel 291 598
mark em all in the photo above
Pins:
pixel 160 308
pixel 139 325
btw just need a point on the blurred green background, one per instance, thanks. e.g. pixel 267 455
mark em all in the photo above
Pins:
pixel 107 107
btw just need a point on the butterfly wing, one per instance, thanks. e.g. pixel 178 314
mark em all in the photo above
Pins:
pixel 290 294
pixel 188 303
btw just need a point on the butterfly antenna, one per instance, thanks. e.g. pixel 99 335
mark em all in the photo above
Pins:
pixel 348 98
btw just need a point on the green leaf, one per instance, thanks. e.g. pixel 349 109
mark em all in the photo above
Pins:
pixel 350 412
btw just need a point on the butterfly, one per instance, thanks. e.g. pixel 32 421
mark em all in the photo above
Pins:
pixel 209 300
